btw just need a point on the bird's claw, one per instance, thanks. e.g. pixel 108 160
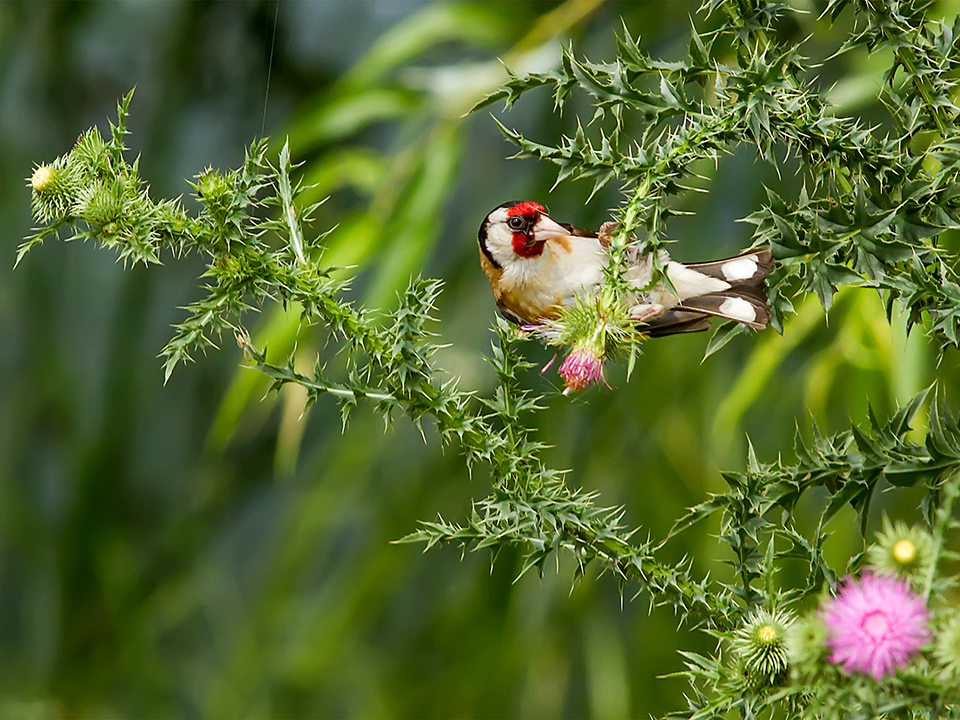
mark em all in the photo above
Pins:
pixel 608 229
pixel 646 311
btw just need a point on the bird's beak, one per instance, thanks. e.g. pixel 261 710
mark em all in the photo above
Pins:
pixel 545 229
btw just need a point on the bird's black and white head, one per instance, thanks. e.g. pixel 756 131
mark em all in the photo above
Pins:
pixel 517 230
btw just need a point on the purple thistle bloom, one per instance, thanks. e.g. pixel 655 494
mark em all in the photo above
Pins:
pixel 874 626
pixel 581 369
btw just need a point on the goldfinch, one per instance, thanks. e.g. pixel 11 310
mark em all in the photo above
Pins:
pixel 536 266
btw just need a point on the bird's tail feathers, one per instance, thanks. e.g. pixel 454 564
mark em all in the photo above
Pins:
pixel 675 321
pixel 744 305
pixel 748 269
pixel 743 298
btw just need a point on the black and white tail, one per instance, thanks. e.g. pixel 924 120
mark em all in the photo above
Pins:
pixel 731 289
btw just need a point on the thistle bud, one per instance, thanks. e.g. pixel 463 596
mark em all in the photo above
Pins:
pixel 90 156
pixel 212 187
pixel 42 179
pixel 54 187
pixel 806 642
pixel 947 650
pixel 901 550
pixel 760 644
pixel 101 205
pixel 597 328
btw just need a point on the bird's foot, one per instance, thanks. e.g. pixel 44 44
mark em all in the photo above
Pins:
pixel 646 311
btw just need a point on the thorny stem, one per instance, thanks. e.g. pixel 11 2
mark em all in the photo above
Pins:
pixel 950 491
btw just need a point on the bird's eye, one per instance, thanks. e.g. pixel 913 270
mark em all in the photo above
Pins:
pixel 516 222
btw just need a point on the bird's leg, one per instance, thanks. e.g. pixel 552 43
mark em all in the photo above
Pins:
pixel 646 311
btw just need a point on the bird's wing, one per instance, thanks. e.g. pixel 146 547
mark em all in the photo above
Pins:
pixel 750 268
pixel 676 321
pixel 743 305
pixel 511 316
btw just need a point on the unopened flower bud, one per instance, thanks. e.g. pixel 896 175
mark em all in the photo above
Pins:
pixel 212 187
pixel 760 644
pixel 101 205
pixel 42 179
pixel 947 650
pixel 54 188
pixel 900 550
pixel 904 551
pixel 806 642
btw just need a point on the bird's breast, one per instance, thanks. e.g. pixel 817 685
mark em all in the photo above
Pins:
pixel 537 288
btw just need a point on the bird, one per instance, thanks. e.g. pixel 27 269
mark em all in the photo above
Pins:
pixel 537 266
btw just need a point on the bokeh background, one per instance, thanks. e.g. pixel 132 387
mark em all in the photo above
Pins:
pixel 199 549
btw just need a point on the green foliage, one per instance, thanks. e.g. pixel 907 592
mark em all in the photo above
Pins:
pixel 874 200
pixel 388 363
pixel 875 211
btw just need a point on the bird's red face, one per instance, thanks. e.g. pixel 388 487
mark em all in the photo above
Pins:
pixel 521 219
pixel 517 230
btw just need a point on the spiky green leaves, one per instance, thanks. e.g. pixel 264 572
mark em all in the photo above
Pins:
pixel 872 210
pixel 95 193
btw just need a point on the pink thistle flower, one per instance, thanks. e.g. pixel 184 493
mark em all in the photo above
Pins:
pixel 582 368
pixel 874 626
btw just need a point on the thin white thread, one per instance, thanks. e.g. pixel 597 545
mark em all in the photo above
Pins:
pixel 266 95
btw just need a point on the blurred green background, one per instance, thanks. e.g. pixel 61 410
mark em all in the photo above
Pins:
pixel 196 550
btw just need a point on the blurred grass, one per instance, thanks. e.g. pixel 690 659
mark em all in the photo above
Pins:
pixel 197 550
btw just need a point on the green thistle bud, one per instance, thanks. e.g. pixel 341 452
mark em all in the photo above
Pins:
pixel 901 550
pixel 947 650
pixel 212 187
pixel 101 205
pixel 54 189
pixel 806 642
pixel 760 645
pixel 90 156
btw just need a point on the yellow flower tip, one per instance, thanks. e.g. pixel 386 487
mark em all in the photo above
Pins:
pixel 904 551
pixel 42 178
pixel 767 634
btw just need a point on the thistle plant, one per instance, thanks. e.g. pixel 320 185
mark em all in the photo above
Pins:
pixel 877 209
